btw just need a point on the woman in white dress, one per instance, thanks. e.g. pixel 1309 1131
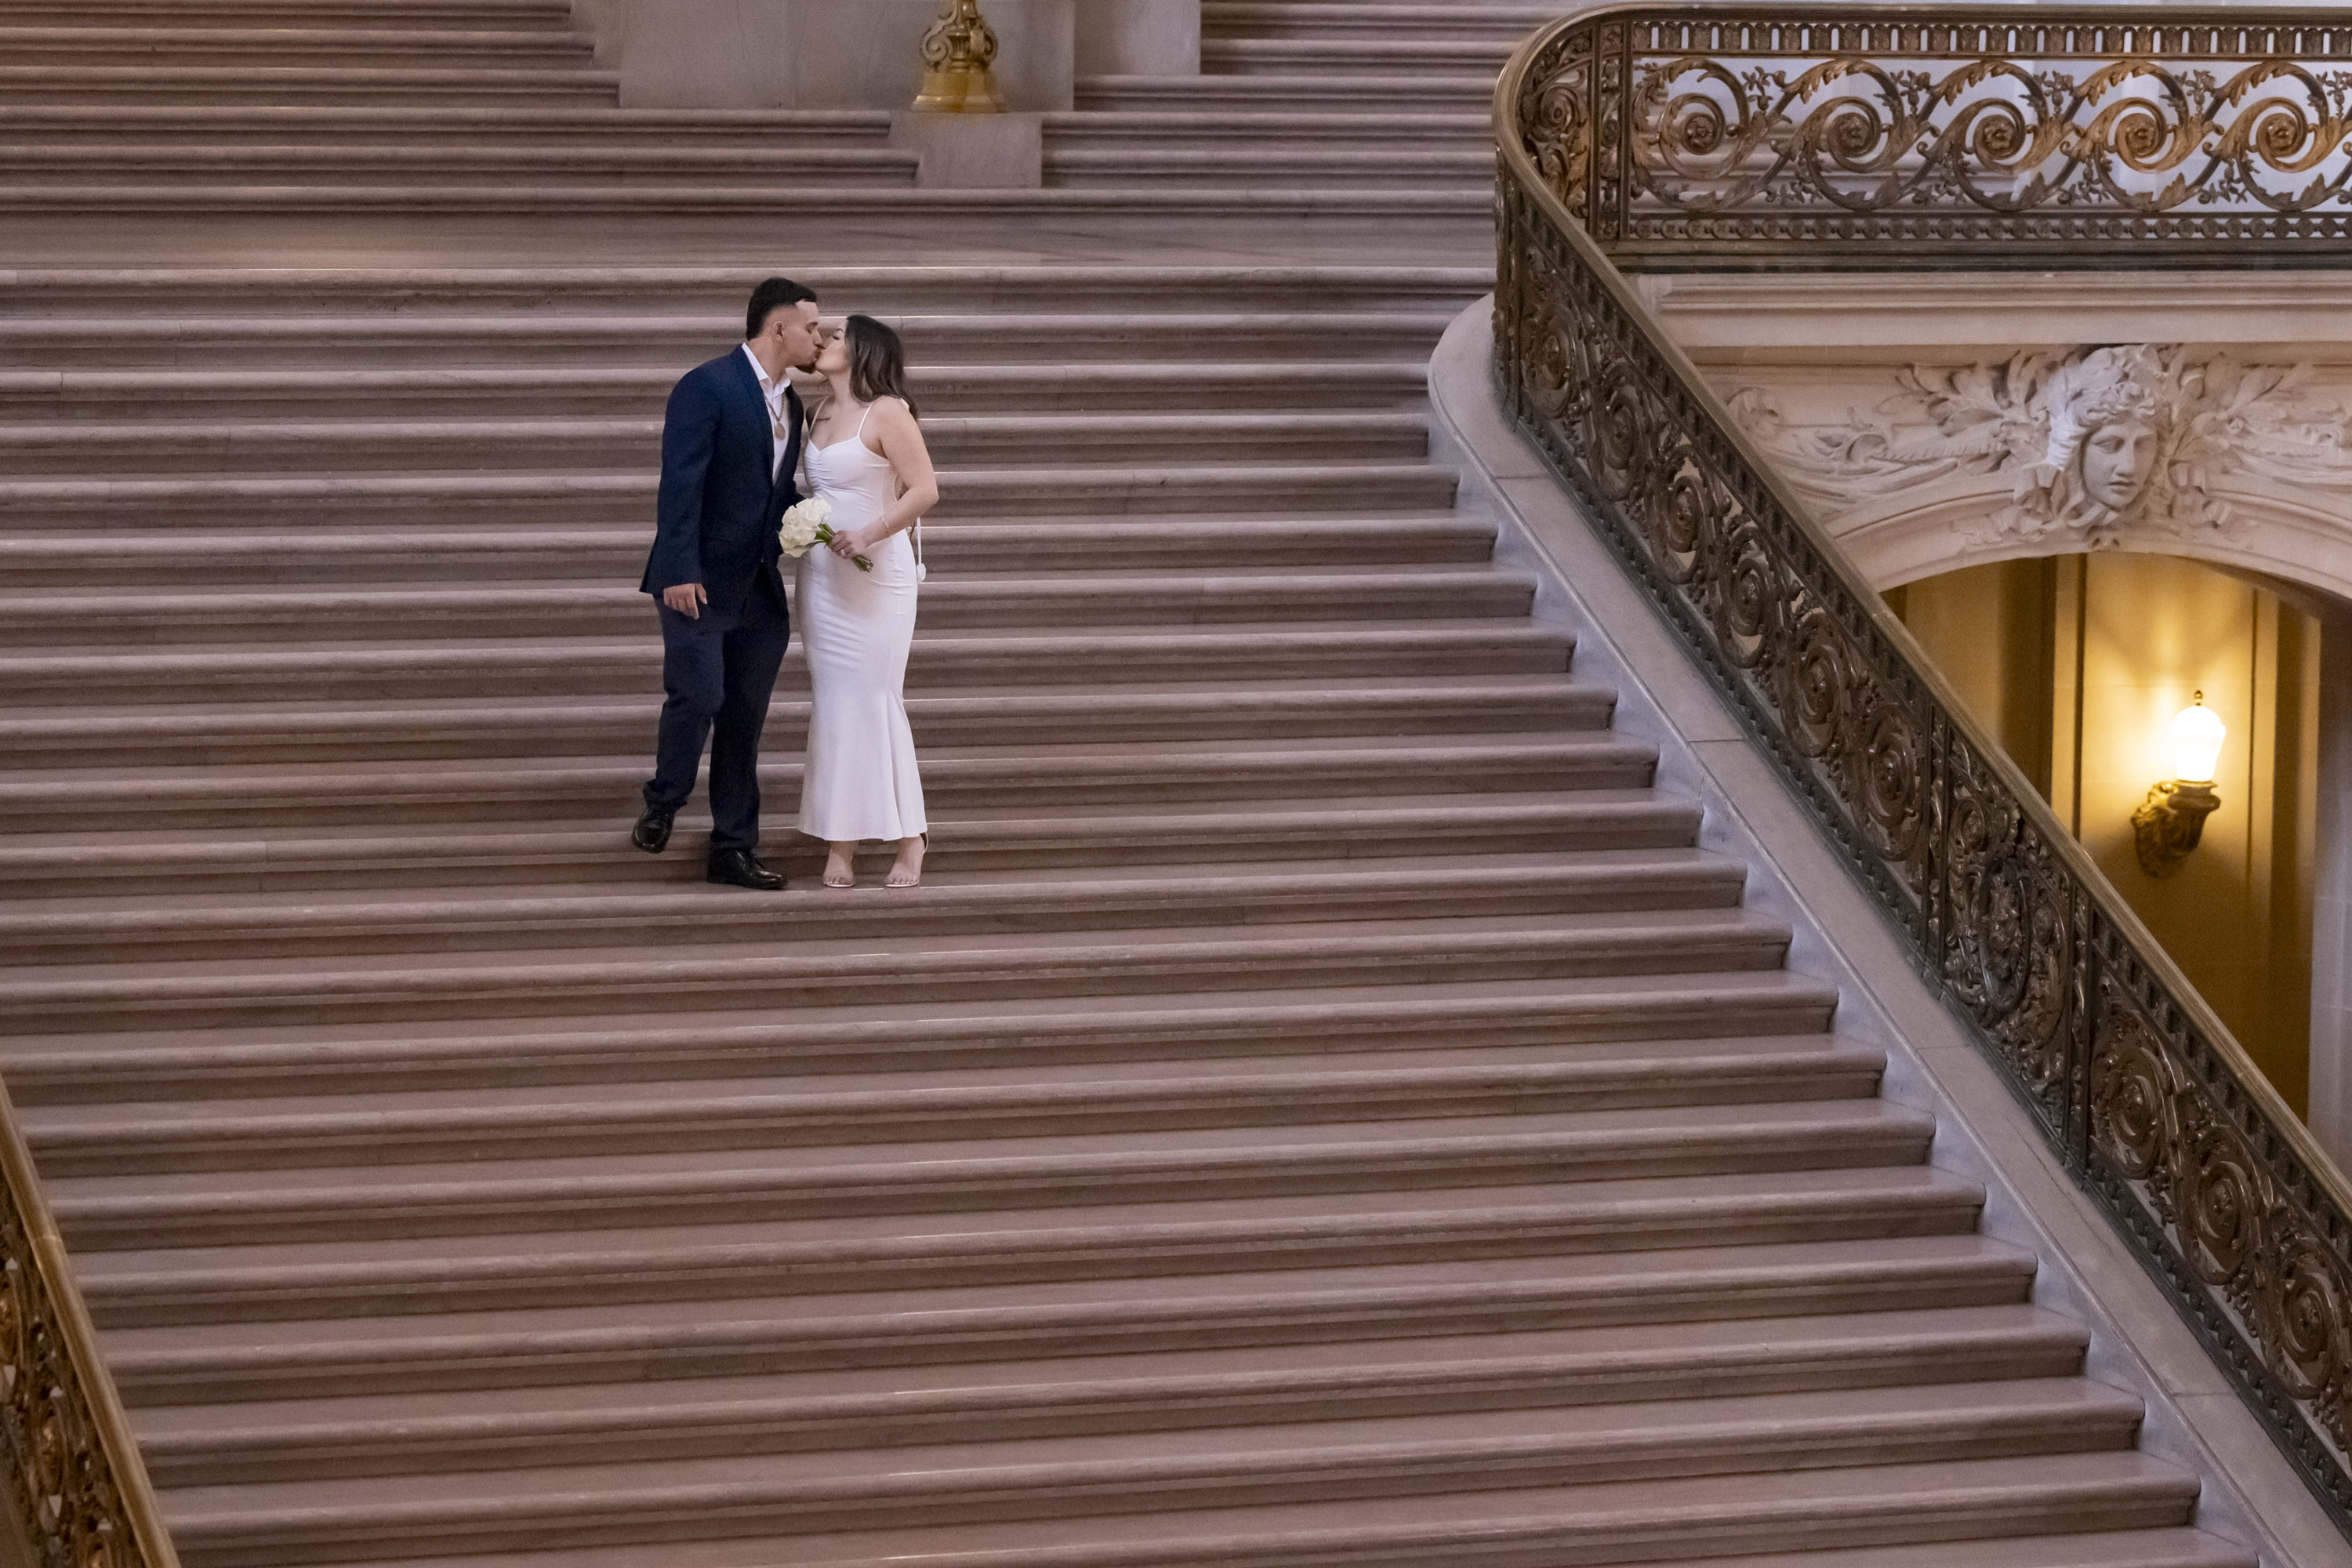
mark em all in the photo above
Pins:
pixel 866 459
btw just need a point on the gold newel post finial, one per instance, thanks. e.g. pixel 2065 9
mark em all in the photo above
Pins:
pixel 959 53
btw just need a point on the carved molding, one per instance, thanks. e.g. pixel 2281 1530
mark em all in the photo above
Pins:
pixel 2091 444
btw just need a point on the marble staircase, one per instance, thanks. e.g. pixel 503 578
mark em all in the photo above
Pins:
pixel 1324 1106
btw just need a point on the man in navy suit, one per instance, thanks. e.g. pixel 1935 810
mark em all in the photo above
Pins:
pixel 730 442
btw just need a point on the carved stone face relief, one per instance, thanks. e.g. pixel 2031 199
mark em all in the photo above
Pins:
pixel 2092 442
pixel 2118 460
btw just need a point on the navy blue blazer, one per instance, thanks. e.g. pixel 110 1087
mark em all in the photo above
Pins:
pixel 722 493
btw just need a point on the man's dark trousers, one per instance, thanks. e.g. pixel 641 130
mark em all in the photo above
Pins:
pixel 717 670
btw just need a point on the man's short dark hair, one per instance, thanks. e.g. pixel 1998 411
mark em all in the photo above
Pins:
pixel 776 294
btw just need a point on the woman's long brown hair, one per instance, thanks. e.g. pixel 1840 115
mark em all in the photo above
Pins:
pixel 877 361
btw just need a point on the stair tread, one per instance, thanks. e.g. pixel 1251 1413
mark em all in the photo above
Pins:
pixel 1254 692
pixel 1371 820
pixel 1069 761
pixel 981 887
pixel 1499 1068
pixel 1606 1438
pixel 1249 1226
pixel 1527 1359
pixel 1623 1522
pixel 916 1165
pixel 1168 1018
pixel 1742 1281
pixel 1610 930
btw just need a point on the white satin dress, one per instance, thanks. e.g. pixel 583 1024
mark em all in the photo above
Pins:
pixel 860 780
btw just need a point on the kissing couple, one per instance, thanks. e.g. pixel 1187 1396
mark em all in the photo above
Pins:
pixel 737 449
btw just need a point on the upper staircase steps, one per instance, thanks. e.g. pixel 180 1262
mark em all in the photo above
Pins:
pixel 1327 1107
pixel 481 132
pixel 315 128
pixel 1313 94
pixel 145 55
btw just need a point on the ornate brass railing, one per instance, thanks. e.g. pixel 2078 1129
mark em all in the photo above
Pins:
pixel 2139 1086
pixel 78 1484
pixel 1973 136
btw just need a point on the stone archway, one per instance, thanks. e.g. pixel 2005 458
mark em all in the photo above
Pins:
pixel 2240 458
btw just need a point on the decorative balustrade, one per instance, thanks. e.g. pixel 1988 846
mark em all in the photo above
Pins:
pixel 1976 137
pixel 80 1489
pixel 1850 139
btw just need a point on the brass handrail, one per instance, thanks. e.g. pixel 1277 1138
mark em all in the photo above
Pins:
pixel 2153 1106
pixel 79 1487
pixel 1978 135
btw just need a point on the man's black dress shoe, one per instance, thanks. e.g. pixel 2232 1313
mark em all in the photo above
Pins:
pixel 651 831
pixel 741 868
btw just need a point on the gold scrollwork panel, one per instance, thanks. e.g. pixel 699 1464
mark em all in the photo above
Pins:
pixel 2238 1233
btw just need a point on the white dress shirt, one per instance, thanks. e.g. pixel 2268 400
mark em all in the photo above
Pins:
pixel 774 393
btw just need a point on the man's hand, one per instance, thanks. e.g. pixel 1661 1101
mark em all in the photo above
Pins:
pixel 686 599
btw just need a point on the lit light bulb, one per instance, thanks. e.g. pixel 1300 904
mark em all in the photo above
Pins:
pixel 2197 737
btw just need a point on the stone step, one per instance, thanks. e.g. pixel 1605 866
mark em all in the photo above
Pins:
pixel 425 988
pixel 1625 1017
pixel 1438 62
pixel 583 443
pixel 939 1175
pixel 1565 1368
pixel 144 16
pixel 160 85
pixel 73 49
pixel 534 789
pixel 1329 131
pixel 1039 302
pixel 490 1127
pixel 1356 1309
pixel 53 934
pixel 1094 1476
pixel 62 618
pixel 478 130
pixel 2097 1549
pixel 602 555
pixel 1503 24
pixel 550 344
pixel 941 388
pixel 195 163
pixel 55 222
pixel 567 499
pixel 196 736
pixel 527 667
pixel 1848 1517
pixel 1265 164
pixel 589 852
pixel 1358 90
pixel 999 1082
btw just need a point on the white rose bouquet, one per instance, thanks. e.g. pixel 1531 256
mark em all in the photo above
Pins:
pixel 809 525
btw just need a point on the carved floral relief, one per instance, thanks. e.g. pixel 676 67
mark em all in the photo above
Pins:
pixel 2092 443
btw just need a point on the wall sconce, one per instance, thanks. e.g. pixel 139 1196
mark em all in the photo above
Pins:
pixel 2172 820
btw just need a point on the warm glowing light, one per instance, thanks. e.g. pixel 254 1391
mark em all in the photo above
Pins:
pixel 2197 737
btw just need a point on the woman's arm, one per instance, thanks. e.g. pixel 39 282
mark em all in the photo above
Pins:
pixel 901 439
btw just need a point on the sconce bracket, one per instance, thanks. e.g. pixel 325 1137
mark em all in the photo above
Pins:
pixel 2170 823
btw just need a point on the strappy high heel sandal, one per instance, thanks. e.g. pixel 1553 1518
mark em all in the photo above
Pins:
pixel 892 880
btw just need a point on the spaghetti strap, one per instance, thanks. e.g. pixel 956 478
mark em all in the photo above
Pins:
pixel 860 434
